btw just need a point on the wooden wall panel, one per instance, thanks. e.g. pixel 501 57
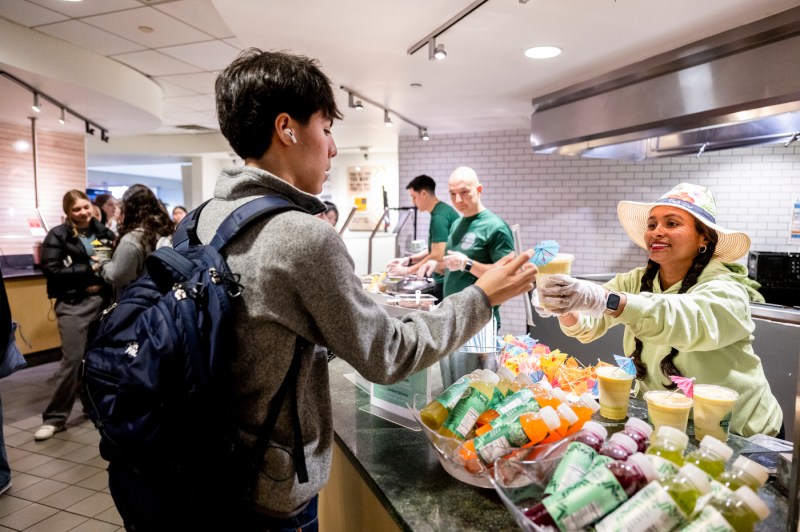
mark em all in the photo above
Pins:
pixel 62 166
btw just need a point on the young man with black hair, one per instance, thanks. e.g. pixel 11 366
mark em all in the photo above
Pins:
pixel 422 190
pixel 276 111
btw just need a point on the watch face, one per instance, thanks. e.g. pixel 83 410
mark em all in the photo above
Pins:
pixel 612 302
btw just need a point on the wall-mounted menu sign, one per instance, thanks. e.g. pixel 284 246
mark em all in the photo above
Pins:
pixel 794 234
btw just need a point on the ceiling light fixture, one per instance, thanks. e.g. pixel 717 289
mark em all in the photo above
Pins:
pixel 38 96
pixel 387 121
pixel 543 52
pixel 437 52
pixel 353 103
pixel 423 134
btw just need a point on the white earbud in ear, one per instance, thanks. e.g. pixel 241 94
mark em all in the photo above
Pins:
pixel 290 134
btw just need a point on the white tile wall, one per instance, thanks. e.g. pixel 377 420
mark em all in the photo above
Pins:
pixel 574 200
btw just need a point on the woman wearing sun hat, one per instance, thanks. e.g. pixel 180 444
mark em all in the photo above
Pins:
pixel 686 313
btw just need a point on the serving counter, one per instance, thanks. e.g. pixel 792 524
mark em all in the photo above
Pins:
pixel 386 477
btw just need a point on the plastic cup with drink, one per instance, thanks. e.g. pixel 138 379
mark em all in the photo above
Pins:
pixel 668 408
pixel 713 407
pixel 614 385
pixel 561 263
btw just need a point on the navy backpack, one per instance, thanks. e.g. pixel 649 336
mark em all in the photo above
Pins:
pixel 157 379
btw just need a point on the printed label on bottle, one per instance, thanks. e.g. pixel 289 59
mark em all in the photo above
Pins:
pixel 709 520
pixel 650 510
pixel 513 415
pixel 514 400
pixel 465 413
pixel 497 398
pixel 453 393
pixel 587 501
pixel 664 468
pixel 576 461
pixel 499 441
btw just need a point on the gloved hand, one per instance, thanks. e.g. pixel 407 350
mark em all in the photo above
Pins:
pixel 455 261
pixel 426 269
pixel 398 261
pixel 537 306
pixel 563 294
pixel 395 270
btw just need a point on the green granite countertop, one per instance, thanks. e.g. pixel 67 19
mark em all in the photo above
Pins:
pixel 406 476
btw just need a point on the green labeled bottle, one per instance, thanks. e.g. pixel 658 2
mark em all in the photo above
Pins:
pixel 670 444
pixel 473 403
pixel 660 506
pixel 711 456
pixel 435 413
pixel 738 512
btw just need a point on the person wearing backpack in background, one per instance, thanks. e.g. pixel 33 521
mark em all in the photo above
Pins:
pixel 276 110
pixel 143 222
pixel 80 295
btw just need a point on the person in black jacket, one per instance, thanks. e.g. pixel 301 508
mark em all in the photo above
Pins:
pixel 69 262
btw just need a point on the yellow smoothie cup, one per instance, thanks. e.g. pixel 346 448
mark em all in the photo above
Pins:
pixel 668 408
pixel 561 263
pixel 713 407
pixel 614 386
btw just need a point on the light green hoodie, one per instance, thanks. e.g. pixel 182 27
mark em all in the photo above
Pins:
pixel 711 328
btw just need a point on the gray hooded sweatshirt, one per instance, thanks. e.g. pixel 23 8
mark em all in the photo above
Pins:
pixel 299 281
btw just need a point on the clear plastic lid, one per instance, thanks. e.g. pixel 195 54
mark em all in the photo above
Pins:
pixel 490 377
pixel 545 384
pixel 697 477
pixel 641 462
pixel 588 401
pixel 640 425
pixel 625 441
pixel 524 380
pixel 567 413
pixel 550 417
pixel 505 373
pixel 559 394
pixel 751 500
pixel 596 428
pixel 710 443
pixel 678 437
pixel 758 472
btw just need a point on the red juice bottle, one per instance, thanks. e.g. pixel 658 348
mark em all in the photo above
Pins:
pixel 640 431
pixel 578 457
pixel 619 447
pixel 597 494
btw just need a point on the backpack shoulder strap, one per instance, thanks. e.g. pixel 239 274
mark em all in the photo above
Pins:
pixel 247 213
pixel 187 228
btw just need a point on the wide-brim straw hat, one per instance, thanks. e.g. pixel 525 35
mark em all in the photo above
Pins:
pixel 697 201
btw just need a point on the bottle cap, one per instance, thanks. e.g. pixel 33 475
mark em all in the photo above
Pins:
pixel 596 428
pixel 524 380
pixel 559 394
pixel 640 425
pixel 545 384
pixel 678 437
pixel 759 473
pixel 491 377
pixel 697 477
pixel 750 499
pixel 505 373
pixel 567 413
pixel 640 462
pixel 717 447
pixel 550 417
pixel 625 441
pixel 588 401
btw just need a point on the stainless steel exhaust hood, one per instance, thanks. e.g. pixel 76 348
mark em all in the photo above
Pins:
pixel 737 88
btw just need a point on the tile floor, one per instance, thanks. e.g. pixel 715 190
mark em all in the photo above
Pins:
pixel 59 484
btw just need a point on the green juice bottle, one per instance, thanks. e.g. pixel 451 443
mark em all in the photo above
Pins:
pixel 711 456
pixel 435 413
pixel 744 472
pixel 473 403
pixel 738 512
pixel 669 444
pixel 660 506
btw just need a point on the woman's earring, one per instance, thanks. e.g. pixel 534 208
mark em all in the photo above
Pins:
pixel 702 249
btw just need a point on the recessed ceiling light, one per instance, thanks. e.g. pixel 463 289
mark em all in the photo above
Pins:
pixel 416 85
pixel 542 52
pixel 145 29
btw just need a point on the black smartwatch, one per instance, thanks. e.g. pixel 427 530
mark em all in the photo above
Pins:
pixel 612 302
pixel 468 265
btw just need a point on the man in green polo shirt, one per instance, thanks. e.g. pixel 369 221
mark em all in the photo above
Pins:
pixel 477 240
pixel 422 190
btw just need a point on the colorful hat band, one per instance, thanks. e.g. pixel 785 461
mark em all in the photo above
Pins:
pixel 689 206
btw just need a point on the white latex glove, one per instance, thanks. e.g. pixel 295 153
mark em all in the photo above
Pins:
pixel 426 269
pixel 398 261
pixel 537 306
pixel 455 261
pixel 563 294
pixel 396 270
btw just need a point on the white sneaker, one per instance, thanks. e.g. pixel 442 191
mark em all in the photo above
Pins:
pixel 46 432
pixel 5 487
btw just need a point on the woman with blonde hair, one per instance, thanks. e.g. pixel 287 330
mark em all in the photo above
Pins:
pixel 67 257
